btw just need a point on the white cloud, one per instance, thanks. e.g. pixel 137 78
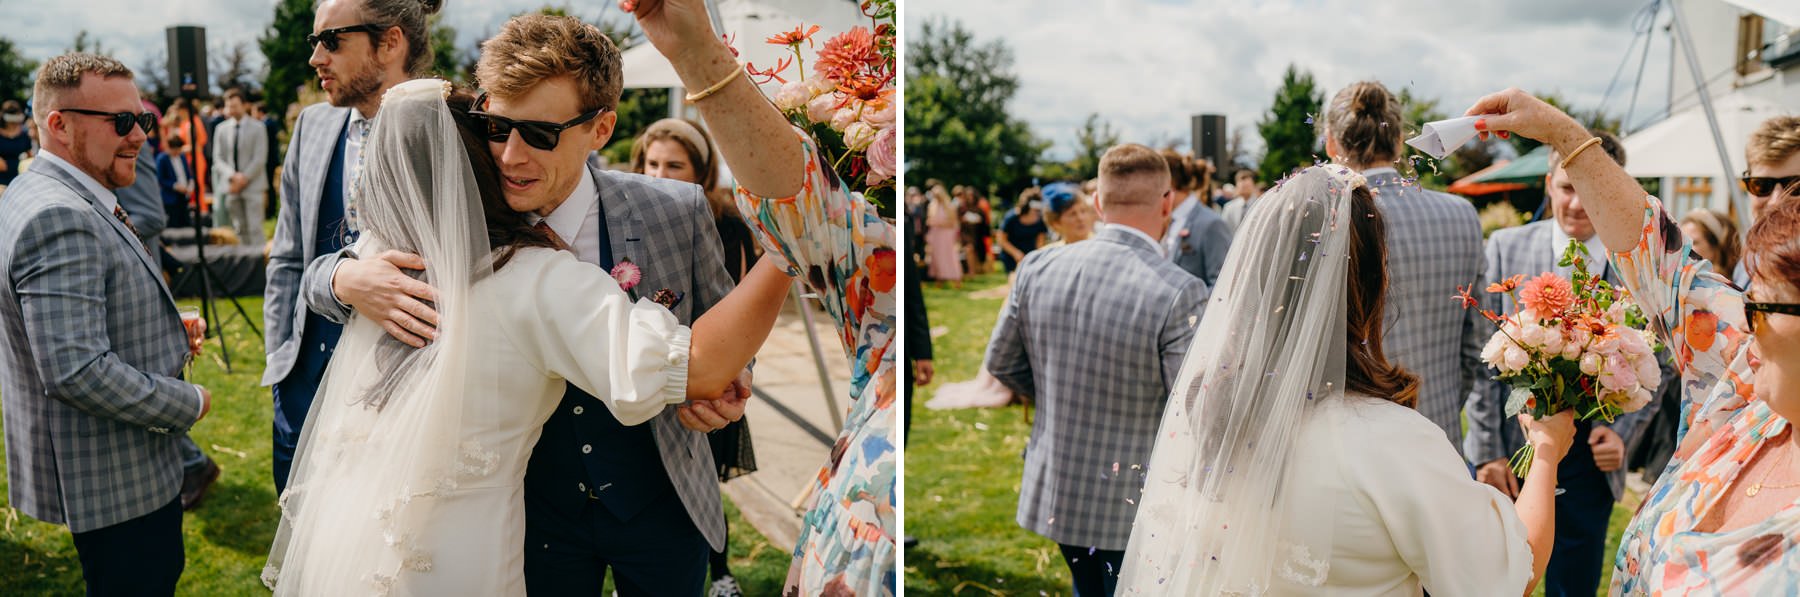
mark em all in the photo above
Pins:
pixel 1146 66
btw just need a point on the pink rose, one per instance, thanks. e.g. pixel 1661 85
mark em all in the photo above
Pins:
pixel 882 155
pixel 793 96
pixel 880 118
pixel 840 120
pixel 821 108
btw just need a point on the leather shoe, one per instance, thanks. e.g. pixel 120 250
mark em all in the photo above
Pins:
pixel 195 484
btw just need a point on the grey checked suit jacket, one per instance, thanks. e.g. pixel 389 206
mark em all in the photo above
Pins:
pixel 1433 249
pixel 1201 250
pixel 92 344
pixel 303 174
pixel 1096 331
pixel 254 153
pixel 1526 250
pixel 666 227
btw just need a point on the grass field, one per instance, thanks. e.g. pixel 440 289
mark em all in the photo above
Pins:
pixel 227 537
pixel 963 469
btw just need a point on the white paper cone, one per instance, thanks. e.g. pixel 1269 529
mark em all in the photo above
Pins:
pixel 1441 138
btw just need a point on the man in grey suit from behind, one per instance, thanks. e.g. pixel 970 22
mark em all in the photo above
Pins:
pixel 1592 475
pixel 93 343
pixel 1097 331
pixel 642 501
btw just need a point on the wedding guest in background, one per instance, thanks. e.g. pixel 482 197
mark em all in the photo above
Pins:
pixel 1197 238
pixel 1068 212
pixel 1774 158
pixel 1022 230
pixel 240 151
pixel 943 231
pixel 180 122
pixel 977 230
pixel 15 142
pixel 916 205
pixel 1434 248
pixel 1592 475
pixel 677 149
pixel 1725 515
pixel 1715 237
pixel 1096 332
pixel 94 411
pixel 176 181
pixel 1245 191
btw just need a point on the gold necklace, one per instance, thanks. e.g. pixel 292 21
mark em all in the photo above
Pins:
pixel 1757 487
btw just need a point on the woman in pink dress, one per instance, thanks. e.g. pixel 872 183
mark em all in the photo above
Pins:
pixel 941 236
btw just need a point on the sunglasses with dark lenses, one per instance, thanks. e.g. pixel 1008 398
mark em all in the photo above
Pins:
pixel 536 133
pixel 1763 186
pixel 1753 312
pixel 122 121
pixel 332 37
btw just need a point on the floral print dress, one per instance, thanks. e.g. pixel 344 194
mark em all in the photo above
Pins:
pixel 1700 315
pixel 844 253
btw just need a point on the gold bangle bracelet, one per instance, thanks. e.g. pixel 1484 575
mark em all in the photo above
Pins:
pixel 737 70
pixel 1589 143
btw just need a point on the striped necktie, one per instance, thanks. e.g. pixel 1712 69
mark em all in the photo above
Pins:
pixel 119 212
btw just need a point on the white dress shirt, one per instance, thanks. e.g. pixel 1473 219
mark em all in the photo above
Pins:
pixel 1596 257
pixel 577 220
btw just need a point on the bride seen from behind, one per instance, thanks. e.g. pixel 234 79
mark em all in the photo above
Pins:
pixel 409 478
pixel 1300 414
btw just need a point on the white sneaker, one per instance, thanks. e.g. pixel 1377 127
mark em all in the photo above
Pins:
pixel 725 586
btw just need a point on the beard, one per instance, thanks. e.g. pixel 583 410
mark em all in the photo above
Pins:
pixel 104 171
pixel 358 88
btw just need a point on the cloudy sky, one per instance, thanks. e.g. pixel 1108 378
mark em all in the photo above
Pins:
pixel 133 30
pixel 1147 65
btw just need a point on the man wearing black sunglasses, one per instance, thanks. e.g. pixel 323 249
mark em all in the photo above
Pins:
pixel 1773 156
pixel 93 429
pixel 642 501
pixel 360 49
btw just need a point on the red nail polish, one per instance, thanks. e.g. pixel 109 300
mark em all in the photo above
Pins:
pixel 1481 124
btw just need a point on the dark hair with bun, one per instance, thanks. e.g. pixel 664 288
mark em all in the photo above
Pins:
pixel 1181 170
pixel 1365 121
pixel 412 17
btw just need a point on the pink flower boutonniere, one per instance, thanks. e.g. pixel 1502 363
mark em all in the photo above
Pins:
pixel 627 275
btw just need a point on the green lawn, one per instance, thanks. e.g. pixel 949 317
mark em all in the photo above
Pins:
pixel 227 537
pixel 962 481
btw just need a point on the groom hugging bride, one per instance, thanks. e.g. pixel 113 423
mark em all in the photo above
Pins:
pixel 480 316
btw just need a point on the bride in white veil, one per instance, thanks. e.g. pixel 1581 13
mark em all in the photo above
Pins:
pixel 1289 460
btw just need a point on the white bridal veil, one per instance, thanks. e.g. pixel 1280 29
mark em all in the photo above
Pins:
pixel 1214 519
pixel 381 443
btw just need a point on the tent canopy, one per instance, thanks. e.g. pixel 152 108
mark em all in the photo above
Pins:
pixel 1786 11
pixel 1682 144
pixel 1528 168
pixel 748 23
pixel 1468 186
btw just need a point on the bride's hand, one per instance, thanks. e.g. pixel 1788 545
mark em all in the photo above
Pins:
pixel 1550 436
pixel 1514 111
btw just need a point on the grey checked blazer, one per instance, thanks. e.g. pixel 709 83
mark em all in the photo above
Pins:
pixel 1096 331
pixel 666 227
pixel 1526 250
pixel 1205 238
pixel 310 147
pixel 1433 249
pixel 254 153
pixel 92 344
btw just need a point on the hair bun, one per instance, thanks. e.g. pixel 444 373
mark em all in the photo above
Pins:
pixel 432 6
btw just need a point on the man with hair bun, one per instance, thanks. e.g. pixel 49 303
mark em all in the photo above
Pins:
pixel 360 49
pixel 1089 328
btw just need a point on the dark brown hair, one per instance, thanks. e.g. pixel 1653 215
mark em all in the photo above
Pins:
pixel 508 230
pixel 1181 170
pixel 1368 370
pixel 1365 121
pixel 413 18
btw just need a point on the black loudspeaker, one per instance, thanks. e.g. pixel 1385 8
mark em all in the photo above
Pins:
pixel 1209 142
pixel 187 61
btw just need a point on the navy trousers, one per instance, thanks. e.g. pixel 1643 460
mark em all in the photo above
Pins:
pixel 1096 571
pixel 142 556
pixel 1579 553
pixel 657 552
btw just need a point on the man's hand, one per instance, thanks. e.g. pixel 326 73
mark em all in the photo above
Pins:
pixel 238 182
pixel 923 372
pixel 205 403
pixel 1609 449
pixel 712 415
pixel 378 290
pixel 1496 473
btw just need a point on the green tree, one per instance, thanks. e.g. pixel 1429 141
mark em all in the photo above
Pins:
pixel 15 72
pixel 1288 131
pixel 1092 139
pixel 231 68
pixel 88 43
pixel 283 45
pixel 1416 111
pixel 957 126
pixel 446 58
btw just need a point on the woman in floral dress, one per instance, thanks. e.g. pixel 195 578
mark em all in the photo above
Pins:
pixel 1724 518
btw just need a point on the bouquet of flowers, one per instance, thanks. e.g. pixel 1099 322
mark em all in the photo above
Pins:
pixel 848 104
pixel 1576 344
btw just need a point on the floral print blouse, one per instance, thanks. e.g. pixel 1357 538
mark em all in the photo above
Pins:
pixel 844 252
pixel 1700 315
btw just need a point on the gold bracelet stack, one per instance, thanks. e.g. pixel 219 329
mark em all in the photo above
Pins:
pixel 736 71
pixel 1571 157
